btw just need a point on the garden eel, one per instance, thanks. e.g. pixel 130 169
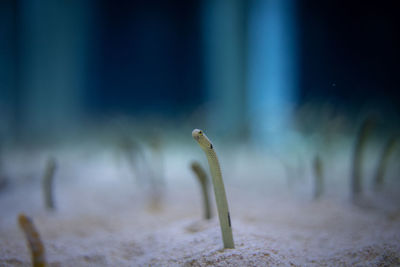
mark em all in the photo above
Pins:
pixel 202 177
pixel 48 179
pixel 387 151
pixel 363 134
pixel 219 189
pixel 33 240
pixel 318 176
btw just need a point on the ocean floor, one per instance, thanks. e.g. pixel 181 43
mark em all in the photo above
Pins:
pixel 105 216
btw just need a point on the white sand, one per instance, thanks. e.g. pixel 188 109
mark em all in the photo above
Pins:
pixel 103 216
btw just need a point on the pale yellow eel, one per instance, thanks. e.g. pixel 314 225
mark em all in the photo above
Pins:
pixel 48 179
pixel 202 177
pixel 33 240
pixel 219 189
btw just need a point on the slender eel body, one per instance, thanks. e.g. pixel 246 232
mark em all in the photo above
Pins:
pixel 219 189
pixel 48 179
pixel 33 240
pixel 362 137
pixel 318 176
pixel 387 151
pixel 202 177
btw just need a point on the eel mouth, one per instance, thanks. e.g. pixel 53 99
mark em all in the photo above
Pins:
pixel 195 134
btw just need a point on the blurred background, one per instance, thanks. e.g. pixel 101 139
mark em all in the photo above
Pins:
pixel 243 69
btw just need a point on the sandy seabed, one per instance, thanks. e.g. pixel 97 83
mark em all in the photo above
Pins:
pixel 104 217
